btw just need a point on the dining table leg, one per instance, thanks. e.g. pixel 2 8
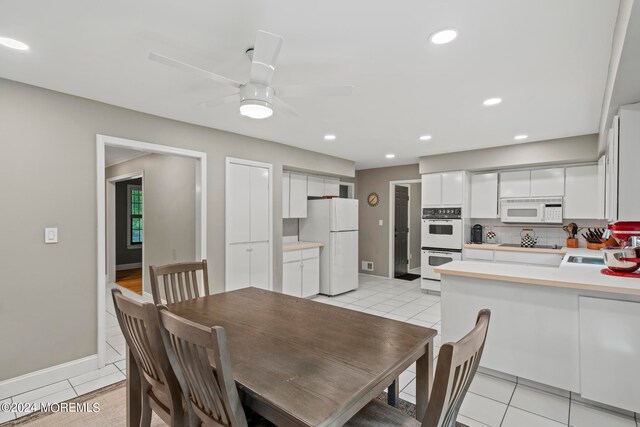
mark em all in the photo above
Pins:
pixel 134 391
pixel 393 393
pixel 424 381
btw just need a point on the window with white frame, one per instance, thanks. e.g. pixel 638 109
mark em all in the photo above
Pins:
pixel 134 215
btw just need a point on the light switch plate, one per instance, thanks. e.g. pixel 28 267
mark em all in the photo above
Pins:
pixel 51 235
pixel 380 222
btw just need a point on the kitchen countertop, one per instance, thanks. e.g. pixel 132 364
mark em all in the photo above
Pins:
pixel 296 246
pixel 567 275
pixel 497 247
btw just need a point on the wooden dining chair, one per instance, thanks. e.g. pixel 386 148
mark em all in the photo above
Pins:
pixel 212 394
pixel 457 365
pixel 161 391
pixel 179 281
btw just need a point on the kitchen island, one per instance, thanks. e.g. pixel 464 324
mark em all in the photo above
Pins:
pixel 569 327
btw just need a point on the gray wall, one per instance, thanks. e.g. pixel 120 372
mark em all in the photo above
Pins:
pixel 290 226
pixel 575 149
pixel 373 239
pixel 169 201
pixel 125 254
pixel 48 146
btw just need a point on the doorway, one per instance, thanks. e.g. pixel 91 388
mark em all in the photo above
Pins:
pixel 106 190
pixel 404 229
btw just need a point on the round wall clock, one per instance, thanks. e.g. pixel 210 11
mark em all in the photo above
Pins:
pixel 373 199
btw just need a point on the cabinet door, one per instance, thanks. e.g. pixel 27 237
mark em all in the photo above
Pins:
pixel 238 203
pixel 547 182
pixel 315 187
pixel 431 189
pixel 484 195
pixel 332 187
pixel 298 198
pixel 260 265
pixel 602 187
pixel 260 217
pixel 452 186
pixel 582 199
pixel 515 184
pixel 609 348
pixel 533 258
pixel 285 195
pixel 310 277
pixel 628 155
pixel 238 263
pixel 292 278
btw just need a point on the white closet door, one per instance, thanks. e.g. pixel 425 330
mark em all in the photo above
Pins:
pixel 260 265
pixel 259 209
pixel 238 262
pixel 238 203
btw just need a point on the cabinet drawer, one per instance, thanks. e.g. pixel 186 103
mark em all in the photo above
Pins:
pixel 528 258
pixel 478 254
pixel 311 253
pixel 290 256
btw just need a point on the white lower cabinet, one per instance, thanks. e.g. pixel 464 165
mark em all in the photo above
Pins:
pixel 512 257
pixel 248 265
pixel 301 272
pixel 477 255
pixel 609 348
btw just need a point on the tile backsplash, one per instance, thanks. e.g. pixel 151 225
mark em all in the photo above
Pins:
pixel 547 234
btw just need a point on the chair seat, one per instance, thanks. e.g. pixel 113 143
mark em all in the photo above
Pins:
pixel 379 414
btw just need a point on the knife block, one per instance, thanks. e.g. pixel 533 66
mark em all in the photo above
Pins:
pixel 572 243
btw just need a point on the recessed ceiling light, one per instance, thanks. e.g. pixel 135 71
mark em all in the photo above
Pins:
pixel 520 137
pixel 492 101
pixel 390 156
pixel 13 44
pixel 425 137
pixel 330 137
pixel 443 36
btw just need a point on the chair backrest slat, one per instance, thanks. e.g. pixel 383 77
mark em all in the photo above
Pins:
pixel 178 281
pixel 457 365
pixel 211 393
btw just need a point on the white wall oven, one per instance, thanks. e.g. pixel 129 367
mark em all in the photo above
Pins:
pixel 441 241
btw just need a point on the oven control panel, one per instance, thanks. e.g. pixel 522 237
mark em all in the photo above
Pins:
pixel 441 213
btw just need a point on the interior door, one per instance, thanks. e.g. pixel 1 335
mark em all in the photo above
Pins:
pixel 401 227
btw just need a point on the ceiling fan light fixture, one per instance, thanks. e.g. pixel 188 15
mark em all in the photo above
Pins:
pixel 255 109
pixel 443 36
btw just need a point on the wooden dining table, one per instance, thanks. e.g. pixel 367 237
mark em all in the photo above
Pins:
pixel 298 362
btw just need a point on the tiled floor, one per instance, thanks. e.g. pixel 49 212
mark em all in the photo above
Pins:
pixel 491 401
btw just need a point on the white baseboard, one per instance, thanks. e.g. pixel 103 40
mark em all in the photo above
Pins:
pixel 47 376
pixel 128 266
pixel 373 275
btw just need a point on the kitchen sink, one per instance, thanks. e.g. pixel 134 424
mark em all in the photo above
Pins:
pixel 585 260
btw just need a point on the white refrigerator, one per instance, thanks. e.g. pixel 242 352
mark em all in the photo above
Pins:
pixel 334 222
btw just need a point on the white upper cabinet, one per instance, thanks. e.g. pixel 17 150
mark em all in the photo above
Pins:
pixel 315 186
pixel 239 203
pixel 431 189
pixel 298 196
pixel 628 153
pixel 332 187
pixel 484 195
pixel 452 188
pixel 285 195
pixel 583 197
pixel 547 182
pixel 515 184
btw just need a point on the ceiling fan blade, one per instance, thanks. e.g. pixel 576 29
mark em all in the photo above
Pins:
pixel 281 106
pixel 184 66
pixel 265 56
pixel 230 99
pixel 309 91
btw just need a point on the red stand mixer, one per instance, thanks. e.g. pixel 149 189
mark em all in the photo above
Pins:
pixel 624 260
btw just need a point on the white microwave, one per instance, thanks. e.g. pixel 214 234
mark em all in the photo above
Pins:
pixel 534 210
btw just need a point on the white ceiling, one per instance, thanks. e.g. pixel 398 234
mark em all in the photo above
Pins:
pixel 115 155
pixel 547 59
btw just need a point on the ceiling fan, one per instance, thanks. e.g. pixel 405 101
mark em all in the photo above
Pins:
pixel 257 97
